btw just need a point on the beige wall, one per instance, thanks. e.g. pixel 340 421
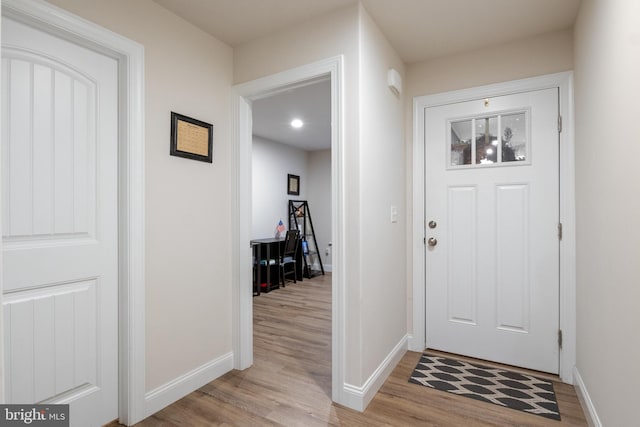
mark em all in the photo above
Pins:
pixel 607 103
pixel 530 57
pixel 323 37
pixel 382 288
pixel 319 190
pixel 188 291
pixel 188 261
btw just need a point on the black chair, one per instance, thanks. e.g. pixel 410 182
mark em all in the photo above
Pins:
pixel 288 257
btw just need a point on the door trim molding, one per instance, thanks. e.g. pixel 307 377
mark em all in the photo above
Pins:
pixel 564 82
pixel 243 95
pixel 131 219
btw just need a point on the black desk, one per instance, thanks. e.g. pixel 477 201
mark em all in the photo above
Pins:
pixel 266 263
pixel 266 259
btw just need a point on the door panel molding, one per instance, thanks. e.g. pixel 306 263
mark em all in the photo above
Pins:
pixel 62 189
pixel 462 211
pixel 130 57
pixel 512 249
pixel 564 82
pixel 60 321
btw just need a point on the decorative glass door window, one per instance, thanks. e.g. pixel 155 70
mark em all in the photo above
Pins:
pixel 495 140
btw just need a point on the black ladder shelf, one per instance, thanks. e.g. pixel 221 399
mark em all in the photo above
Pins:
pixel 300 219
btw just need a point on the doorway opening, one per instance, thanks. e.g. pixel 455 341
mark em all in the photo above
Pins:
pixel 291 232
pixel 245 96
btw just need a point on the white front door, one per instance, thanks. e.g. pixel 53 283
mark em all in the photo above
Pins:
pixel 60 224
pixel 492 209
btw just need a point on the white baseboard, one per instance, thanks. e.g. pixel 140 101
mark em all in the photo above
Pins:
pixel 325 267
pixel 585 400
pixel 358 398
pixel 178 388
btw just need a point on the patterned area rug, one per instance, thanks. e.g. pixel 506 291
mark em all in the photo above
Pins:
pixel 494 385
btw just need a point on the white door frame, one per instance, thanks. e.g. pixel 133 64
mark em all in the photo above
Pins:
pixel 563 81
pixel 131 231
pixel 243 95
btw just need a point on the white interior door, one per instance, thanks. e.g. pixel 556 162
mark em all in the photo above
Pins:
pixel 59 213
pixel 492 209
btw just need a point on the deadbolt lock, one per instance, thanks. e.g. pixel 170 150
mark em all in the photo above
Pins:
pixel 432 224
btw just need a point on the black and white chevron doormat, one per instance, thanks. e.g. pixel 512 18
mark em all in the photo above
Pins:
pixel 494 385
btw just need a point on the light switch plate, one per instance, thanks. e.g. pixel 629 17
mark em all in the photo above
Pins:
pixel 394 214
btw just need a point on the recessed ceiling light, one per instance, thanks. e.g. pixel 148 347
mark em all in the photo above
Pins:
pixel 296 123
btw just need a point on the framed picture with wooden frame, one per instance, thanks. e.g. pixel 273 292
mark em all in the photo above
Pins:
pixel 293 184
pixel 191 138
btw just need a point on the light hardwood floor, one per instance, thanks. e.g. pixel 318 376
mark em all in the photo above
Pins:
pixel 290 381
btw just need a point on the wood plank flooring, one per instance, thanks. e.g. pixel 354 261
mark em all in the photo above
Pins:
pixel 290 381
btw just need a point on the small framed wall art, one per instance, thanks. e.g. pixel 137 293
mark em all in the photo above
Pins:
pixel 293 184
pixel 191 138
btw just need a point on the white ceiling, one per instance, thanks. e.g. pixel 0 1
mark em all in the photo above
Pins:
pixel 418 29
pixel 426 29
pixel 239 21
pixel 312 104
